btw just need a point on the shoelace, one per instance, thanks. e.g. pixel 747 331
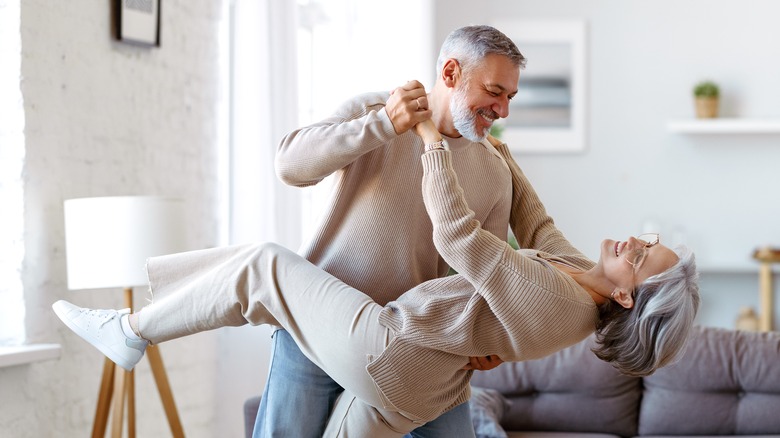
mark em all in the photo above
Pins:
pixel 104 316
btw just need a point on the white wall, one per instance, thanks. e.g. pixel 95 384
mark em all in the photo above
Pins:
pixel 644 58
pixel 104 118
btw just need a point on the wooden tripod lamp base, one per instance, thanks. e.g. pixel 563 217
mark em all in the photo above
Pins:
pixel 118 385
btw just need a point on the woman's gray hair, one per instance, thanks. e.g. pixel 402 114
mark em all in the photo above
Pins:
pixel 654 332
pixel 471 44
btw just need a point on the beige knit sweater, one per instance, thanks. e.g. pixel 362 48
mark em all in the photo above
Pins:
pixel 375 234
pixel 511 303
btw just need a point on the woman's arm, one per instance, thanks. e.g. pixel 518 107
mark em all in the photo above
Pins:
pixel 458 236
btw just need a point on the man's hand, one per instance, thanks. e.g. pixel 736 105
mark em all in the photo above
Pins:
pixel 483 363
pixel 407 106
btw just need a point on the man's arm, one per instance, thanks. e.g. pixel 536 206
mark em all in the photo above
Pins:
pixel 308 155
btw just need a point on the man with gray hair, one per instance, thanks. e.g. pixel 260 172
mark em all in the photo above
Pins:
pixel 375 234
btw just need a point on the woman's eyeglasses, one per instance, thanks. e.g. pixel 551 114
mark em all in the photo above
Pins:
pixel 638 256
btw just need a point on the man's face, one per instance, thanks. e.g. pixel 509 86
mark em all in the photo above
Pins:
pixel 483 96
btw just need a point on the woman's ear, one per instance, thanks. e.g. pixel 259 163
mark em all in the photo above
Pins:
pixel 450 72
pixel 622 297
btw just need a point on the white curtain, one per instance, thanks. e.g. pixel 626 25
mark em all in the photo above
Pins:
pixel 264 108
pixel 260 208
pixel 346 51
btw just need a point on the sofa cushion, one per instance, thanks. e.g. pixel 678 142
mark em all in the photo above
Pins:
pixel 727 382
pixel 569 391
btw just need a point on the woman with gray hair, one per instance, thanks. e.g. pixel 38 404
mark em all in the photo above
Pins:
pixel 640 297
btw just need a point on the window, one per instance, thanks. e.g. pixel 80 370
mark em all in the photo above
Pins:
pixel 369 57
pixel 11 189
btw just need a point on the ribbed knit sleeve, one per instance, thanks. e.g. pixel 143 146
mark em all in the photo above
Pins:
pixel 458 237
pixel 308 155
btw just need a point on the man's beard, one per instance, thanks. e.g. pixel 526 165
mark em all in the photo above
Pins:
pixel 464 120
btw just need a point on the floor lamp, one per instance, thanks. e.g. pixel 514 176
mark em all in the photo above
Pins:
pixel 108 240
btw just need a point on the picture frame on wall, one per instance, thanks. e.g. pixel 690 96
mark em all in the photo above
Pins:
pixel 138 22
pixel 548 113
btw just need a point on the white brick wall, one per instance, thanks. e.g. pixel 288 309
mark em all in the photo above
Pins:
pixel 105 118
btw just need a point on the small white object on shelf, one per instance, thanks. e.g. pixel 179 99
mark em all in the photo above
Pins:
pixel 725 126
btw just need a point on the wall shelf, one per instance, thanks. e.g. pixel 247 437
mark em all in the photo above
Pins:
pixel 724 126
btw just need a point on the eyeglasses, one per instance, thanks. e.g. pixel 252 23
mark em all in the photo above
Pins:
pixel 638 256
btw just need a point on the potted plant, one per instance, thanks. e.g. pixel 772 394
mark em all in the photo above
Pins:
pixel 706 94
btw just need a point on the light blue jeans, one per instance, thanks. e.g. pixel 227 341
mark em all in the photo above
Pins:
pixel 299 396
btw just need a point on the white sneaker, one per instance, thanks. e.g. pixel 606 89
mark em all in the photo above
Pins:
pixel 102 329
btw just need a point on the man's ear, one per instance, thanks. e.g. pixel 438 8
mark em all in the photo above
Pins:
pixel 450 72
pixel 623 297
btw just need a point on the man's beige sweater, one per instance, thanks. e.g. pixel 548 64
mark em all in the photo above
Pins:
pixel 375 234
pixel 515 304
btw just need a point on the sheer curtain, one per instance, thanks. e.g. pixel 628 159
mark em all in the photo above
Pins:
pixel 348 47
pixel 291 64
pixel 263 107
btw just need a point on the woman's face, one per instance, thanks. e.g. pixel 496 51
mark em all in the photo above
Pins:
pixel 619 261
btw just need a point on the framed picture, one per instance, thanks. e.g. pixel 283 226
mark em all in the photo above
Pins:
pixel 138 22
pixel 548 113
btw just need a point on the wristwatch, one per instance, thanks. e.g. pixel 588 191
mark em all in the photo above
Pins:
pixel 440 145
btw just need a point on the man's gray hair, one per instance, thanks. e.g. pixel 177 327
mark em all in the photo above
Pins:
pixel 471 44
pixel 654 332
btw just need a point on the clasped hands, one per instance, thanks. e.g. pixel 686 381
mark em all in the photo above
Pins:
pixel 408 106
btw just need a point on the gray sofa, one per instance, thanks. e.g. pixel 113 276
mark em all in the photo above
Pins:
pixel 727 383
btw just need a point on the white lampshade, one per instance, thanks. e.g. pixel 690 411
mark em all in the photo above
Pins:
pixel 108 239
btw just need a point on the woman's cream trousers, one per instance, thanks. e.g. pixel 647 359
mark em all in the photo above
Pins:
pixel 335 325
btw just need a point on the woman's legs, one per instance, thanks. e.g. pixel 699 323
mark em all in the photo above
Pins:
pixel 353 417
pixel 335 325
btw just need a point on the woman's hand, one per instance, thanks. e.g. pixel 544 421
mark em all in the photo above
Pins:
pixel 483 363
pixel 427 131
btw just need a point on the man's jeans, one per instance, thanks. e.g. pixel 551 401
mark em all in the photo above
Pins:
pixel 299 396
